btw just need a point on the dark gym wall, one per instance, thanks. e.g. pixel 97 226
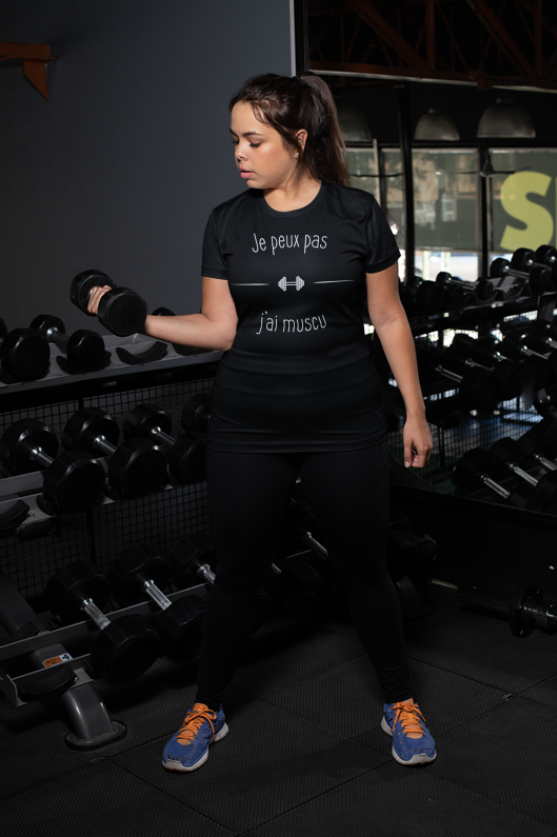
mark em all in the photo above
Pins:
pixel 120 168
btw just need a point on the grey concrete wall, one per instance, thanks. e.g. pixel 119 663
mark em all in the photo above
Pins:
pixel 120 168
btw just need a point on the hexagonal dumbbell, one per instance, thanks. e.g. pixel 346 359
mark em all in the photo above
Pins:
pixel 24 353
pixel 186 454
pixel 121 310
pixel 511 458
pixel 476 469
pixel 192 559
pixel 84 348
pixel 73 481
pixel 140 571
pixel 196 413
pixel 135 468
pixel 126 646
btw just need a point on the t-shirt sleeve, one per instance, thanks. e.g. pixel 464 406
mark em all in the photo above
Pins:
pixel 213 263
pixel 382 247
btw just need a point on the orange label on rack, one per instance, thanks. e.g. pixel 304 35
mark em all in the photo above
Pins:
pixel 53 661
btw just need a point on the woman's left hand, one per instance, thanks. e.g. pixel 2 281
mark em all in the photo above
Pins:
pixel 418 443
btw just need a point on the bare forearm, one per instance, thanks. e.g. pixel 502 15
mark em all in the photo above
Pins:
pixel 398 345
pixel 191 330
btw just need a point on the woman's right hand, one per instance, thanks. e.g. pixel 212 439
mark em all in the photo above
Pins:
pixel 95 298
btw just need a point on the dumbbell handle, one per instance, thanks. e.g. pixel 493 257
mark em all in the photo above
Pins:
pixel 98 617
pixel 495 486
pixel 58 337
pixel 452 376
pixel 38 455
pixel 102 444
pixel 524 474
pixel 206 573
pixel 161 436
pixel 545 463
pixel 156 594
pixel 314 545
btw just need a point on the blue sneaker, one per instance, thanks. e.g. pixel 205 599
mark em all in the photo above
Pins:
pixel 412 741
pixel 188 749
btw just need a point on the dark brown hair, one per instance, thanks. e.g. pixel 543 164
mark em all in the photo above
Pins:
pixel 303 102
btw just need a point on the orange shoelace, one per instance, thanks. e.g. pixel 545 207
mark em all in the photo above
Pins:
pixel 194 721
pixel 408 713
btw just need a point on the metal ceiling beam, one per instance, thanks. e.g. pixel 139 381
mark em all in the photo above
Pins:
pixel 489 20
pixel 387 33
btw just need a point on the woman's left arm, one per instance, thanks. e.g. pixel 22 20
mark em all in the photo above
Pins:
pixel 392 327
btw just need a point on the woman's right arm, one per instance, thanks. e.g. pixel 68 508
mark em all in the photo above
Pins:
pixel 213 328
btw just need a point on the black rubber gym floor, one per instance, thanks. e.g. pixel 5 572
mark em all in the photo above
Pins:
pixel 305 755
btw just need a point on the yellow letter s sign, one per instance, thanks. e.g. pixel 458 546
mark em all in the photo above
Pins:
pixel 514 199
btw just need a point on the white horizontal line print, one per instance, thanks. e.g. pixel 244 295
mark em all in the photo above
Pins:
pixel 331 281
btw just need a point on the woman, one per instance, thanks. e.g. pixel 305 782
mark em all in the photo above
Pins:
pixel 284 267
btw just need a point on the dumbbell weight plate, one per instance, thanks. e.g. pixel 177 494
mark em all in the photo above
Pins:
pixel 121 310
pixel 126 648
pixel 195 413
pixel 546 254
pixel 25 353
pixel 478 390
pixel 522 259
pixel 518 626
pixel 429 296
pixel 74 482
pixel 82 285
pixel 186 459
pixel 137 467
pixel 179 628
pixel 540 279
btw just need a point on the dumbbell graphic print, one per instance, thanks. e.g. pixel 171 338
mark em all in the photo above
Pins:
pixel 284 284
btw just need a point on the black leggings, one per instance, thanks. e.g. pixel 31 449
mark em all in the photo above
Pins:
pixel 349 495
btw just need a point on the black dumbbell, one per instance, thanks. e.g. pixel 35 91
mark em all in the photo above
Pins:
pixel 73 481
pixel 448 293
pixel 541 336
pixel 539 277
pixel 139 571
pixel 541 442
pixel 525 608
pixel 476 468
pixel 126 646
pixel 511 458
pixel 478 387
pixel 524 259
pixel 537 369
pixel 186 455
pixel 135 468
pixel 507 372
pixel 121 310
pixel 482 288
pixel 24 354
pixel 196 413
pixel 192 559
pixel 84 348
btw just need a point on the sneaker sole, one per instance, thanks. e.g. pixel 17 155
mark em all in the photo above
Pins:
pixel 419 758
pixel 178 767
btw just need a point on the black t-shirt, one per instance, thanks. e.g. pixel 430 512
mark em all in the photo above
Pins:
pixel 299 376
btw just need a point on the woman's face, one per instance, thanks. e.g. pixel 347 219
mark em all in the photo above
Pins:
pixel 262 159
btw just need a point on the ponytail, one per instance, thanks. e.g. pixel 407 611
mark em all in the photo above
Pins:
pixel 292 104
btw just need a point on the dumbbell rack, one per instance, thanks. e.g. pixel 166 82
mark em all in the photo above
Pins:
pixel 99 533
pixel 477 535
pixel 57 672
